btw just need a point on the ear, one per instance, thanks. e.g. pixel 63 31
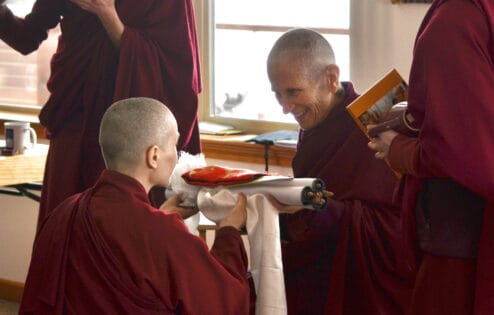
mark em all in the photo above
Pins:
pixel 152 156
pixel 333 77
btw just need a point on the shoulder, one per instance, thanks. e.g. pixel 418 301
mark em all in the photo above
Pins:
pixel 458 17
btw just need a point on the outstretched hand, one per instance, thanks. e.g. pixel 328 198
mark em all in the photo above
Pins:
pixel 238 216
pixel 173 205
pixel 283 208
pixel 95 6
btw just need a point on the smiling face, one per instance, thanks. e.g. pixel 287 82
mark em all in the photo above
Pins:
pixel 303 91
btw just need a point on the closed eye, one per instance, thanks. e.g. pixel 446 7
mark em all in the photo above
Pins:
pixel 293 92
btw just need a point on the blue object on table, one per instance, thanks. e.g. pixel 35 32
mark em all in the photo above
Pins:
pixel 270 138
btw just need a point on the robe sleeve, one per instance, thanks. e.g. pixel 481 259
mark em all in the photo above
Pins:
pixel 159 59
pixel 26 34
pixel 457 104
pixel 406 156
pixel 203 282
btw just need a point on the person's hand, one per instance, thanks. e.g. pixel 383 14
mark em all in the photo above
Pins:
pixel 381 143
pixel 173 205
pixel 238 216
pixel 283 208
pixel 97 7
pixel 107 13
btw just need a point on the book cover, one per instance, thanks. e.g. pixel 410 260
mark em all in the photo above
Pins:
pixel 372 105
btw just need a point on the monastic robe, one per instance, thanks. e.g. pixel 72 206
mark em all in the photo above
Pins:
pixel 158 58
pixel 345 259
pixel 451 97
pixel 108 251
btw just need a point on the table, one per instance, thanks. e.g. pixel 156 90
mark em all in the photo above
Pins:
pixel 20 173
pixel 204 226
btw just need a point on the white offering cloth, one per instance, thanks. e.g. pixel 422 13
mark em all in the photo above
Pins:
pixel 264 240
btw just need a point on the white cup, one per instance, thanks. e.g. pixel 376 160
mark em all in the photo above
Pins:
pixel 19 136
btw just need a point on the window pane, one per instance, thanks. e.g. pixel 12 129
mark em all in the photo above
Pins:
pixel 241 87
pixel 23 78
pixel 313 13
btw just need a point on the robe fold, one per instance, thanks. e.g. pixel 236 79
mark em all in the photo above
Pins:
pixel 108 251
pixel 158 58
pixel 451 97
pixel 345 259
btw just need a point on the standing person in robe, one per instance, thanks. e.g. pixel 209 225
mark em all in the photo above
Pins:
pixel 448 183
pixel 345 259
pixel 107 51
pixel 107 250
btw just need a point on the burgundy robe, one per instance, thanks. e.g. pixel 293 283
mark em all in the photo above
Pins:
pixel 451 97
pixel 108 251
pixel 345 259
pixel 158 58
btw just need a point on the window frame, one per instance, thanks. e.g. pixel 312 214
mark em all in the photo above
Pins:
pixel 204 20
pixel 205 29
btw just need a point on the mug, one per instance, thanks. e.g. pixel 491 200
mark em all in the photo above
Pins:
pixel 19 136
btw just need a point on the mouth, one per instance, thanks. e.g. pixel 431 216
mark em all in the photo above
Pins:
pixel 300 116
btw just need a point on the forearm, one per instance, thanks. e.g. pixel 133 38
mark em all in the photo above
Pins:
pixel 229 250
pixel 25 34
pixel 113 25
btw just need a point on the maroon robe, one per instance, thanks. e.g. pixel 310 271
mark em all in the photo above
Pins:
pixel 451 97
pixel 158 58
pixel 345 259
pixel 108 251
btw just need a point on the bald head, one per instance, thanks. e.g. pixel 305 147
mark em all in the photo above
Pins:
pixel 129 127
pixel 302 47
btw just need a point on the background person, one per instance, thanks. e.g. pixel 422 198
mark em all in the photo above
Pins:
pixel 107 51
pixel 448 183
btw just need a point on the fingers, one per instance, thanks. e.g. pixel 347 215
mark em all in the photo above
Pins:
pixel 241 201
pixel 274 202
pixel 238 217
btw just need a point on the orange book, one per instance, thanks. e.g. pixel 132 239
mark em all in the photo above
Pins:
pixel 374 106
pixel 375 103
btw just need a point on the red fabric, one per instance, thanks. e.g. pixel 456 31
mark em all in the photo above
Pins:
pixel 218 175
pixel 452 102
pixel 346 259
pixel 158 58
pixel 108 251
pixel 444 286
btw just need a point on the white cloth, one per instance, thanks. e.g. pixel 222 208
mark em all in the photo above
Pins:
pixel 177 184
pixel 264 240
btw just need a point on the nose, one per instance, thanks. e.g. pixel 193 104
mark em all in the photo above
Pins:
pixel 287 106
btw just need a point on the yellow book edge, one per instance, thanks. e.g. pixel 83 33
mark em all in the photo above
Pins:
pixel 378 99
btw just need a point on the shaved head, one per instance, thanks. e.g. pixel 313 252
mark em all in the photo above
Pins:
pixel 130 127
pixel 304 48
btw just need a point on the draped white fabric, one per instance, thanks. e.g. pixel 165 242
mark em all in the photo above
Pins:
pixel 264 239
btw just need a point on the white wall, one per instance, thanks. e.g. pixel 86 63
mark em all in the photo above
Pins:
pixel 18 217
pixel 384 35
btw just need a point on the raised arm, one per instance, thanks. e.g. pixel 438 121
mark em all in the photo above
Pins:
pixel 26 34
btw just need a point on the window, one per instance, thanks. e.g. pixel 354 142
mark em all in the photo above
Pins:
pixel 241 34
pixel 23 78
